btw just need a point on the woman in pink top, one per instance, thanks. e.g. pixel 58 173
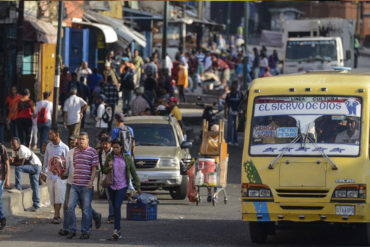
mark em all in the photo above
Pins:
pixel 123 167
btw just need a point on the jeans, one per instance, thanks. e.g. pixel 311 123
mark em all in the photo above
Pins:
pixel 111 210
pixel 117 197
pixel 126 98
pixel 13 128
pixel 82 194
pixel 232 134
pixel 95 215
pixel 43 129
pixel 2 127
pixel 221 103
pixel 24 126
pixel 34 173
pixel 2 182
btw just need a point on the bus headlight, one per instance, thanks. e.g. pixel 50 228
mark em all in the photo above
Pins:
pixel 357 191
pixel 256 190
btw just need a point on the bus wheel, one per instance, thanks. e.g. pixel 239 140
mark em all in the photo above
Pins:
pixel 364 233
pixel 258 231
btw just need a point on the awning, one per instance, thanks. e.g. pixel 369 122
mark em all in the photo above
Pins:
pixel 122 31
pixel 39 31
pixel 109 34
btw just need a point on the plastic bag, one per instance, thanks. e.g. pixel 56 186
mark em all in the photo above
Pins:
pixel 145 198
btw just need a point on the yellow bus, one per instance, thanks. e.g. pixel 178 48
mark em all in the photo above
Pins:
pixel 306 152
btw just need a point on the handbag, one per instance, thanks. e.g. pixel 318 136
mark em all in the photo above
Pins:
pixel 108 180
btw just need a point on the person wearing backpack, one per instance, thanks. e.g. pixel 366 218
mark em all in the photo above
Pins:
pixel 104 116
pixel 124 134
pixel 24 109
pixel 43 112
pixel 127 85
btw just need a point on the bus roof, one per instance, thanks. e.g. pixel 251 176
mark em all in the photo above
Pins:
pixel 330 83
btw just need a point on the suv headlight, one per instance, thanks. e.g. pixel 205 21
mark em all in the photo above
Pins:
pixel 169 163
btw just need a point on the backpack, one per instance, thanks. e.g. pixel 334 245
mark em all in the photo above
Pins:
pixel 42 116
pixel 107 115
pixel 125 138
pixel 127 81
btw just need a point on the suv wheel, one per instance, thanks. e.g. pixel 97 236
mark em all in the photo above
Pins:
pixel 100 189
pixel 179 192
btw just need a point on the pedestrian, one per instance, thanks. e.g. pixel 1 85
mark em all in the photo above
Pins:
pixel 69 174
pixel 169 65
pixel 137 60
pixel 222 68
pixel 4 181
pixel 126 63
pixel 34 133
pixel 151 69
pixel 263 64
pixel 26 161
pixel 85 96
pixel 65 77
pixel 24 108
pixel 139 104
pixel 124 134
pixel 75 83
pixel 267 72
pixel 106 148
pixel 83 71
pixel 256 63
pixel 123 168
pixel 43 112
pixel 11 101
pixel 85 162
pixel 127 85
pixel 182 80
pixel 104 115
pixel 232 109
pixel 93 82
pixel 3 124
pixel 54 166
pixel 110 91
pixel 174 109
pixel 273 63
pixel 110 74
pixel 73 112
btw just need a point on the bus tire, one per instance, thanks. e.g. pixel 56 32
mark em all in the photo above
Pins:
pixel 258 232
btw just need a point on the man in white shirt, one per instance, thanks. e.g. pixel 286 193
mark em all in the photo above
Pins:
pixel 44 111
pixel 83 71
pixel 26 161
pixel 54 166
pixel 100 123
pixel 73 110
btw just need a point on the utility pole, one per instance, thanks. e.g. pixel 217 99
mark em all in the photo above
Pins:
pixel 228 21
pixel 57 66
pixel 19 44
pixel 183 29
pixel 164 38
pixel 245 34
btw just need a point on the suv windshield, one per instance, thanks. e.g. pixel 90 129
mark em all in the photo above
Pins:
pixel 153 134
pixel 330 124
pixel 309 50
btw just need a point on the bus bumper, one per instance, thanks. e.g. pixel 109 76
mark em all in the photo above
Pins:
pixel 299 212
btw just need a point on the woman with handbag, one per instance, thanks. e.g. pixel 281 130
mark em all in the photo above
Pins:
pixel 119 168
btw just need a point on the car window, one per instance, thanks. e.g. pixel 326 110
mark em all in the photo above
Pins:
pixel 153 135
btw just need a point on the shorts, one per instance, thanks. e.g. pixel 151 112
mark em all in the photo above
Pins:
pixel 225 76
pixel 57 190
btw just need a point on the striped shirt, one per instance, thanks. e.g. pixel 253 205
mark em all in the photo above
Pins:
pixel 83 162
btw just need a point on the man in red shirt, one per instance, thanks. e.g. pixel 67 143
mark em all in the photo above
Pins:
pixel 220 66
pixel 11 103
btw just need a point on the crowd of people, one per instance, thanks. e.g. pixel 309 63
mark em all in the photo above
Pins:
pixel 69 173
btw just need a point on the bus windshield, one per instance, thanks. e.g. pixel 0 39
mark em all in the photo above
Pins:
pixel 306 126
pixel 311 50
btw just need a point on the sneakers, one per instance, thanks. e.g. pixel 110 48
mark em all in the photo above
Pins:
pixel 71 235
pixel 116 234
pixel 98 221
pixel 33 209
pixel 14 190
pixel 2 223
pixel 63 232
pixel 110 221
pixel 84 236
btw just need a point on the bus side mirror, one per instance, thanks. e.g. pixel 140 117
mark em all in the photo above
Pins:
pixel 348 55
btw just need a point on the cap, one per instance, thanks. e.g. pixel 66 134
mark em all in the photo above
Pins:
pixel 102 97
pixel 174 99
pixel 161 108
pixel 125 59
pixel 119 117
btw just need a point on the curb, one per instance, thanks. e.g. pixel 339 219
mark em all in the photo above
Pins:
pixel 15 203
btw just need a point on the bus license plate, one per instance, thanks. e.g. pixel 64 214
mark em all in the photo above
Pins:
pixel 345 210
